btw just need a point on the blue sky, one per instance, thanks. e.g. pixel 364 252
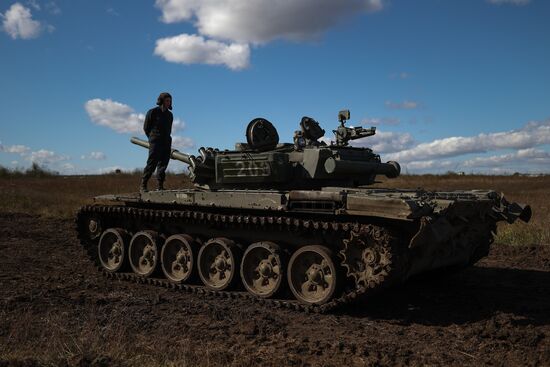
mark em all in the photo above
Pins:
pixel 450 85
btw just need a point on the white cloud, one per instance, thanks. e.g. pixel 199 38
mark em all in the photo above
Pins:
pixel 34 4
pixel 192 49
pixel 16 149
pixel 68 167
pixel 261 21
pixel 513 2
pixel 46 157
pixel 429 165
pixel 380 121
pixel 523 160
pixel 18 23
pixel 41 156
pixel 227 28
pixel 530 156
pixel 115 115
pixel 53 8
pixel 97 156
pixel 182 142
pixel 386 141
pixel 405 105
pixel 531 135
pixel 120 117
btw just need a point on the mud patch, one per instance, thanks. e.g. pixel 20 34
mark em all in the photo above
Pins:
pixel 56 309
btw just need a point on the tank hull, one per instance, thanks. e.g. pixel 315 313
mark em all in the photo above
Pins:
pixel 371 238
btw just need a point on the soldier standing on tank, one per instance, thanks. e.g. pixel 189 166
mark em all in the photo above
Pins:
pixel 158 128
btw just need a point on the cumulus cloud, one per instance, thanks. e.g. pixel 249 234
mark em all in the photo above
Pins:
pixel 192 49
pixel 405 105
pixel 522 160
pixel 16 149
pixel 46 157
pixel 530 135
pixel 386 142
pixel 530 156
pixel 115 115
pixel 42 157
pixel 429 166
pixel 182 142
pixel 123 119
pixel 17 21
pixel 261 21
pixel 513 2
pixel 96 156
pixel 119 116
pixel 227 28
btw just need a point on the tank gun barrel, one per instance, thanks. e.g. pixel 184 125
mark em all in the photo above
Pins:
pixel 340 167
pixel 174 153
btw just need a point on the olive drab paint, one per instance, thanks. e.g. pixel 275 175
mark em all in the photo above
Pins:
pixel 270 216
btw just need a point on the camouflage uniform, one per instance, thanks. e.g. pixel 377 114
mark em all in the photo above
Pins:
pixel 157 127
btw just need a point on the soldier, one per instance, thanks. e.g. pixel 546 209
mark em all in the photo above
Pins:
pixel 158 127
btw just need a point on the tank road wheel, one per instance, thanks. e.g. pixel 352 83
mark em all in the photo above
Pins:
pixel 143 253
pixel 218 263
pixel 112 249
pixel 177 258
pixel 312 275
pixel 262 269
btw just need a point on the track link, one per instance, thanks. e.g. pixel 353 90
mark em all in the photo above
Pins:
pixel 346 231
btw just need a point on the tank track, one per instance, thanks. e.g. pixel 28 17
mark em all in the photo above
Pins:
pixel 349 232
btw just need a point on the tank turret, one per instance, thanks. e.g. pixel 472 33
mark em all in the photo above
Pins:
pixel 307 163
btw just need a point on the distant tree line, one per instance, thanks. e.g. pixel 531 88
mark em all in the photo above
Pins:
pixel 35 170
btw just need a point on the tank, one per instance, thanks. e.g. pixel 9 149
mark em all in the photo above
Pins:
pixel 289 224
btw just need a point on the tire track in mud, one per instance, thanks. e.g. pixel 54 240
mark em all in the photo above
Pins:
pixel 56 308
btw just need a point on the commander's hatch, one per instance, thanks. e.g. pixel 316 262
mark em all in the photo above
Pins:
pixel 261 135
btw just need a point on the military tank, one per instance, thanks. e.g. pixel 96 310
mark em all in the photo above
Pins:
pixel 289 224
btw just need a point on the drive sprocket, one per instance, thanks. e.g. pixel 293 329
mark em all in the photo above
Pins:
pixel 370 256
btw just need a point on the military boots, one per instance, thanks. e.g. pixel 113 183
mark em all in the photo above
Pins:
pixel 143 186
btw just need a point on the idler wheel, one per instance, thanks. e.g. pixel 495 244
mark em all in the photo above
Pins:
pixel 312 275
pixel 218 263
pixel 262 269
pixel 94 228
pixel 177 258
pixel 143 253
pixel 112 249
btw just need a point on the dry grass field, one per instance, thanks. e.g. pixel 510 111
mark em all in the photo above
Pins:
pixel 534 191
pixel 57 310
pixel 61 196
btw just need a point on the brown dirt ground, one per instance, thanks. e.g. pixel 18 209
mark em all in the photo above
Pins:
pixel 55 309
